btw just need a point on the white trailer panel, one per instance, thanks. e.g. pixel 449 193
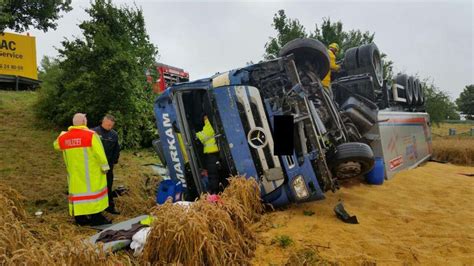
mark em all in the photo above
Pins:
pixel 402 139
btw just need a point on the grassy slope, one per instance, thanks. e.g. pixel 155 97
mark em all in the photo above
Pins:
pixel 29 164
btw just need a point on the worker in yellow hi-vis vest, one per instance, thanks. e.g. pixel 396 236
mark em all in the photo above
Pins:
pixel 332 52
pixel 86 166
pixel 211 154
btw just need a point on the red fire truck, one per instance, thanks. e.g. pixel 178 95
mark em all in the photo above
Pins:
pixel 168 75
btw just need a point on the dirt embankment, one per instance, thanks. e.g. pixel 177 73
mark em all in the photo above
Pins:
pixel 421 216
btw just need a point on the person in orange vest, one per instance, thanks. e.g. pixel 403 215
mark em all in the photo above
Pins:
pixel 332 52
pixel 86 165
pixel 211 153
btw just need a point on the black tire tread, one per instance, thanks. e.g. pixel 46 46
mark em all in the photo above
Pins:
pixel 350 59
pixel 366 56
pixel 307 49
pixel 355 151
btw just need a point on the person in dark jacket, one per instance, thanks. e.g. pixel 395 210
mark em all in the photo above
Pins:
pixel 111 145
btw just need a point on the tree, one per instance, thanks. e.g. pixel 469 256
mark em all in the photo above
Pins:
pixel 103 72
pixel 288 29
pixel 20 15
pixel 438 104
pixel 333 32
pixel 329 32
pixel 49 96
pixel 465 102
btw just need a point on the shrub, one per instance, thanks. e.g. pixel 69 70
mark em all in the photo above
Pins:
pixel 103 72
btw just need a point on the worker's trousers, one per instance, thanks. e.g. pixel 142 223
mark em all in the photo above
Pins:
pixel 110 182
pixel 212 160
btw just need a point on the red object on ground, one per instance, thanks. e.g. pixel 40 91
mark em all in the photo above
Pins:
pixel 214 198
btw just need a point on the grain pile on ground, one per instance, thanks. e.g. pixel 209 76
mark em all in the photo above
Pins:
pixel 305 256
pixel 20 245
pixel 139 197
pixel 12 205
pixel 420 216
pixel 207 233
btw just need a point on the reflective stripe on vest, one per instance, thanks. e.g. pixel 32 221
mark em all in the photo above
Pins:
pixel 206 138
pixel 86 165
pixel 88 197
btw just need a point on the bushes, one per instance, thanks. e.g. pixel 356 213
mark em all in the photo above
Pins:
pixel 438 104
pixel 103 72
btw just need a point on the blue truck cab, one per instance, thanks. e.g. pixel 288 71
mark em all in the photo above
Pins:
pixel 243 120
pixel 245 107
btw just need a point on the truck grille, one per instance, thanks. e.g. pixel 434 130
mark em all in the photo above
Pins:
pixel 253 116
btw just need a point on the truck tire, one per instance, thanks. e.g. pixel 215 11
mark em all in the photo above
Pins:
pixel 350 59
pixel 352 159
pixel 308 50
pixel 369 56
pixel 421 95
pixel 416 91
pixel 402 79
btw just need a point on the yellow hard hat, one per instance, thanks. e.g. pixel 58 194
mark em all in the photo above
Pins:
pixel 334 46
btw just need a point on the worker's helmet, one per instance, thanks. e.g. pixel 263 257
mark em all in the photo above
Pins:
pixel 334 46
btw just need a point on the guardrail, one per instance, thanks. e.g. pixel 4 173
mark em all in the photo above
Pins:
pixel 467 122
pixel 452 132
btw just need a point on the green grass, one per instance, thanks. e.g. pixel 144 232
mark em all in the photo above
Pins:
pixel 30 165
pixel 28 162
pixel 282 241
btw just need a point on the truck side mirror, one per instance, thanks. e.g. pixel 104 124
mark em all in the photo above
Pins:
pixel 159 151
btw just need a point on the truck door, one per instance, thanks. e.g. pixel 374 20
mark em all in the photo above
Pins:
pixel 191 105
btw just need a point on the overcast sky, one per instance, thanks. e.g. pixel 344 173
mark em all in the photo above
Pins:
pixel 430 39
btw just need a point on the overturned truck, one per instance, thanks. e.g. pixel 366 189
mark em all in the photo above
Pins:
pixel 332 135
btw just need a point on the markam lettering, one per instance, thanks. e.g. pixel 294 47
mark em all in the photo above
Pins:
pixel 173 150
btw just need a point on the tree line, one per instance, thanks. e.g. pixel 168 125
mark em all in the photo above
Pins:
pixel 103 71
pixel 438 103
